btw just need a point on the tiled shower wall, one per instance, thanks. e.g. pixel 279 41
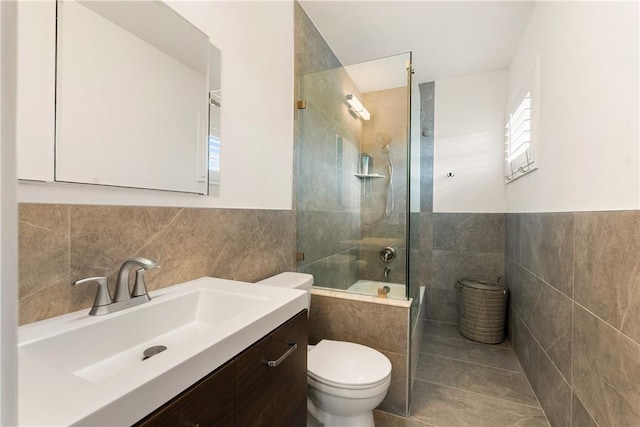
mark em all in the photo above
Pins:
pixel 388 110
pixel 59 244
pixel 575 313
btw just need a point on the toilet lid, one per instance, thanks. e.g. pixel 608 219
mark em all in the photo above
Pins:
pixel 347 365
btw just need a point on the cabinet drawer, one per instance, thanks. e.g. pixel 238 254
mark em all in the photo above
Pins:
pixel 274 396
pixel 210 402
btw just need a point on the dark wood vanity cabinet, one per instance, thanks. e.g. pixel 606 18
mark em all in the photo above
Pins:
pixel 247 391
pixel 210 402
pixel 274 396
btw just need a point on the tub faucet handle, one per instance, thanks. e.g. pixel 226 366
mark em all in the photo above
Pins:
pixel 387 254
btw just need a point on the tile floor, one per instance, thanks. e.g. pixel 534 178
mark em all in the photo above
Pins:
pixel 463 383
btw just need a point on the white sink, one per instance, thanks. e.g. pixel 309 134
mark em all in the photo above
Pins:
pixel 88 370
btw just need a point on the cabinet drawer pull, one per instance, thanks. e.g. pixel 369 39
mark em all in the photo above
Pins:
pixel 274 363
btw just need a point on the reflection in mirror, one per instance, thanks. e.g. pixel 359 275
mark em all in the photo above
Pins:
pixel 131 96
pixel 214 120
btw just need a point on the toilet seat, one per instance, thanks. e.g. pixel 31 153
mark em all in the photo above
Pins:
pixel 346 365
pixel 349 393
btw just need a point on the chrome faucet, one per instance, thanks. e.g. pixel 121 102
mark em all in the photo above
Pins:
pixel 124 297
pixel 387 271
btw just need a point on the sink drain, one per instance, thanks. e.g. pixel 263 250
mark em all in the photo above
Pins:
pixel 152 351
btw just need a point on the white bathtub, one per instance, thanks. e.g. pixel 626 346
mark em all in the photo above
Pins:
pixel 370 287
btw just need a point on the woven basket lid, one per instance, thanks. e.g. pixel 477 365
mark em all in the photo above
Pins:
pixel 487 285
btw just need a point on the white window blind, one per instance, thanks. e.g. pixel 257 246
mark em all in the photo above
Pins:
pixel 519 139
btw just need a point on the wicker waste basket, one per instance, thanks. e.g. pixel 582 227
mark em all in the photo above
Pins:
pixel 482 309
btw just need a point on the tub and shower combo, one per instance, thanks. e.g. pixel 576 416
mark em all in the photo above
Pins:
pixel 359 210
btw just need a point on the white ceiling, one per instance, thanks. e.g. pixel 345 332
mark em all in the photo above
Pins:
pixel 447 38
pixel 380 74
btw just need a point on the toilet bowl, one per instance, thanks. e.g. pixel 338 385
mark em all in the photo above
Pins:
pixel 346 381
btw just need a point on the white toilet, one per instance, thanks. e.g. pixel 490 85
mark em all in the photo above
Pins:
pixel 346 380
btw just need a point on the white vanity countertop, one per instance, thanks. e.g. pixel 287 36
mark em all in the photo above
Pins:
pixel 78 369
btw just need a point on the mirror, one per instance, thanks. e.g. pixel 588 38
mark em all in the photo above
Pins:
pixel 215 62
pixel 132 97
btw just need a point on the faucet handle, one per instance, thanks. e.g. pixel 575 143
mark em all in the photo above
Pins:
pixel 102 296
pixel 140 287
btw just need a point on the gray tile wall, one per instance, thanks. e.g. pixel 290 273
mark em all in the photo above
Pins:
pixel 427 124
pixel 574 313
pixel 59 244
pixel 464 245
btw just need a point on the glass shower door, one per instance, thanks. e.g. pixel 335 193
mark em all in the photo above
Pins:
pixel 353 168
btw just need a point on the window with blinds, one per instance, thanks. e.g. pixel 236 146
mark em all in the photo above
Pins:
pixel 519 139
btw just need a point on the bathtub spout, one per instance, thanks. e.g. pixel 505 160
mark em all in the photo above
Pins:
pixel 387 271
pixel 382 292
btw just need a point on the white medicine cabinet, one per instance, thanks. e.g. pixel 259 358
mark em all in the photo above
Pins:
pixel 118 97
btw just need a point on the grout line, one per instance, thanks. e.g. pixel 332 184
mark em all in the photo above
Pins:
pixel 534 391
pixel 501 346
pixel 542 348
pixel 476 364
pixel 585 408
pixel 573 317
pixel 580 305
pixel 541 279
pixel 618 331
pixel 482 394
pixel 472 343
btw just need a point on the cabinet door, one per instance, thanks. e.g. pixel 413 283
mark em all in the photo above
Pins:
pixel 36 71
pixel 209 402
pixel 274 396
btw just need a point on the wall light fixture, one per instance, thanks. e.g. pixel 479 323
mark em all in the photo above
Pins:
pixel 356 106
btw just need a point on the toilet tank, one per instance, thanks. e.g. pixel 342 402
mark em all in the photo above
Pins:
pixel 291 280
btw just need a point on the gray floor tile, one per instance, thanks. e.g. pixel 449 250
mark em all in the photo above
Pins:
pixel 383 419
pixel 494 382
pixel 450 330
pixel 446 406
pixel 461 383
pixel 470 351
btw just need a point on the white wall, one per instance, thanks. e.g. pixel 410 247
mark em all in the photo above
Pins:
pixel 256 40
pixel 8 219
pixel 469 142
pixel 588 149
